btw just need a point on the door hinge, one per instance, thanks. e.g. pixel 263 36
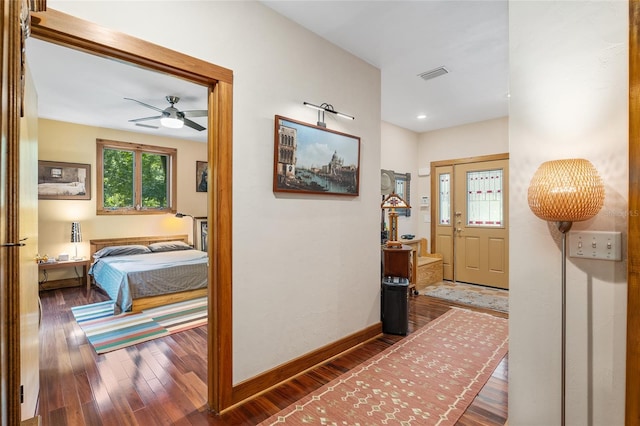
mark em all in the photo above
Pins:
pixel 21 394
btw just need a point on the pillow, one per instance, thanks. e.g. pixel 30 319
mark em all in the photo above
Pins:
pixel 121 251
pixel 169 246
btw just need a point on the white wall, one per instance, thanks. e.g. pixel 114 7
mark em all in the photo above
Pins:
pixel 568 71
pixel 305 268
pixel 399 151
pixel 469 140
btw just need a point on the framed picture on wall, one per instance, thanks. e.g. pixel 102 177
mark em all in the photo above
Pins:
pixel 64 181
pixel 314 160
pixel 202 176
pixel 200 233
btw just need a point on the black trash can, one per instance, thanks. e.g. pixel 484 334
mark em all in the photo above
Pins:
pixel 395 306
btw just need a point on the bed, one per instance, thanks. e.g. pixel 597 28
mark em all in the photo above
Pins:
pixel 144 272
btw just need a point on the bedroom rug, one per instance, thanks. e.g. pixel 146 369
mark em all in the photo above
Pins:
pixel 107 332
pixel 474 295
pixel 428 378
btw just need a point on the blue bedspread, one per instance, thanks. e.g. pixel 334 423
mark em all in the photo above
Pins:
pixel 125 278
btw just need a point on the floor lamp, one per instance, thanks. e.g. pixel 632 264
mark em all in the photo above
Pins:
pixel 565 191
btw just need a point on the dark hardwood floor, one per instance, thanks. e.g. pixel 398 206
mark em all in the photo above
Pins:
pixel 163 381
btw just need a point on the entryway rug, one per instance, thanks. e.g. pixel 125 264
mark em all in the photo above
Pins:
pixel 474 295
pixel 428 378
pixel 107 332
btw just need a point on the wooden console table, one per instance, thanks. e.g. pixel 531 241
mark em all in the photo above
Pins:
pixel 84 263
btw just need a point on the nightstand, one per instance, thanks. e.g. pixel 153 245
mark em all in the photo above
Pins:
pixel 84 263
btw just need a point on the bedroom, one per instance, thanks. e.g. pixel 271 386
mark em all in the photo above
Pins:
pixel 254 232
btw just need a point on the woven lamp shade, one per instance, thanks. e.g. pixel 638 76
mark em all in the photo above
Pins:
pixel 566 191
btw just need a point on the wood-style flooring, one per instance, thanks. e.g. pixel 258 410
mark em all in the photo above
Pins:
pixel 163 381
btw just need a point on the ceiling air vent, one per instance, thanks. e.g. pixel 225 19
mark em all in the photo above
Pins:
pixel 436 72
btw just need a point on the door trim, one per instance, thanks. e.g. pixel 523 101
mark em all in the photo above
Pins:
pixel 66 30
pixel 10 112
pixel 632 410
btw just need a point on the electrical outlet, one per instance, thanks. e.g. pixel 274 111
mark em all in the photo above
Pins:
pixel 595 245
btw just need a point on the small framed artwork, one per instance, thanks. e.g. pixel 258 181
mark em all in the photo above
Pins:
pixel 202 176
pixel 64 181
pixel 200 234
pixel 314 160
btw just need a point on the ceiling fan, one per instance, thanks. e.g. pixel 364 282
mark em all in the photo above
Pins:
pixel 171 116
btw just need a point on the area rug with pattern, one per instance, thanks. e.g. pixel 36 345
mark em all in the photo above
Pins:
pixel 428 378
pixel 470 294
pixel 107 332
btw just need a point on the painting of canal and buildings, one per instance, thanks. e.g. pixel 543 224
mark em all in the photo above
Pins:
pixel 314 159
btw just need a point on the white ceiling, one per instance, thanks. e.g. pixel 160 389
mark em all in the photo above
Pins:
pixel 406 38
pixel 401 38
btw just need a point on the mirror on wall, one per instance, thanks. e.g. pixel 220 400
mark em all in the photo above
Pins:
pixel 403 189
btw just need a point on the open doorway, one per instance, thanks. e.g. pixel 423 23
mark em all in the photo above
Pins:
pixel 58 28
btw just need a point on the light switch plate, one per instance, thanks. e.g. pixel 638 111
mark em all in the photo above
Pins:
pixel 595 245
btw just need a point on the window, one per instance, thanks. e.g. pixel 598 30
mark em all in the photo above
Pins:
pixel 484 198
pixel 135 178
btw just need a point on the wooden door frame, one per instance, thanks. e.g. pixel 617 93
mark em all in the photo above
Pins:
pixel 632 410
pixel 65 30
pixel 10 111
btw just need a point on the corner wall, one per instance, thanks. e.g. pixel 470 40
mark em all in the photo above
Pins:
pixel 569 91
pixel 399 150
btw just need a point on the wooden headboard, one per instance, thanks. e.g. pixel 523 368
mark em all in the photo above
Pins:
pixel 127 241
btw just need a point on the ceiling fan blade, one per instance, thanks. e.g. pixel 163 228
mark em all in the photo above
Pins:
pixel 193 124
pixel 147 125
pixel 196 113
pixel 135 120
pixel 147 105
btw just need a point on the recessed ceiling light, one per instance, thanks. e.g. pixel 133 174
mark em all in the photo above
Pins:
pixel 421 116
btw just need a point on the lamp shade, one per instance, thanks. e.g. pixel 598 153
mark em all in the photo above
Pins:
pixel 76 233
pixel 394 201
pixel 567 190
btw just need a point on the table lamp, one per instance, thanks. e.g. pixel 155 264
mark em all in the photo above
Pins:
pixel 76 237
pixel 392 202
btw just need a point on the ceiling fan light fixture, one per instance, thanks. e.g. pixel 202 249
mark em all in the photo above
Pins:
pixel 171 120
pixel 172 123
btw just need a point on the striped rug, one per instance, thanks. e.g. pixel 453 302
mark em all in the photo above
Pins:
pixel 107 332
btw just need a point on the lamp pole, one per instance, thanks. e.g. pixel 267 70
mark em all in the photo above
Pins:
pixel 564 227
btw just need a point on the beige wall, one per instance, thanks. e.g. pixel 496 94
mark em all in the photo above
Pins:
pixel 306 269
pixel 60 141
pixel 569 91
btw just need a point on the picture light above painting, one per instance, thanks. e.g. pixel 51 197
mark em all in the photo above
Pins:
pixel 314 160
pixel 64 181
